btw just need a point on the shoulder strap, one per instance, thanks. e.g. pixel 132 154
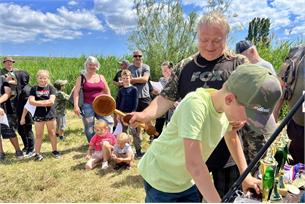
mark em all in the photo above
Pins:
pixel 82 80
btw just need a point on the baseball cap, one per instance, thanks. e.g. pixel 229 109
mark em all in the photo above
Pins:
pixel 8 59
pixel 124 62
pixel 60 82
pixel 258 90
pixel 243 45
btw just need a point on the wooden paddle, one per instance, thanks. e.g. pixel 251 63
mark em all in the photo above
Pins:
pixel 105 105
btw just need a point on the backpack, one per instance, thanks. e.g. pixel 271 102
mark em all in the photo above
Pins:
pixel 291 68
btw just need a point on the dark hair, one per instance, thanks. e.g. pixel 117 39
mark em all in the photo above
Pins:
pixel 168 63
pixel 57 86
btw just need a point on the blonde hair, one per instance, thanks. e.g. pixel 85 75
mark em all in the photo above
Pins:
pixel 101 124
pixel 126 72
pixel 43 72
pixel 214 18
pixel 92 60
pixel 124 137
pixel 218 19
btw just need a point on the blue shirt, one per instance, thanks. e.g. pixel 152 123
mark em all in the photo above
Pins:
pixel 127 99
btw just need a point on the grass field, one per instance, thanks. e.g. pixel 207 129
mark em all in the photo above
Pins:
pixel 65 179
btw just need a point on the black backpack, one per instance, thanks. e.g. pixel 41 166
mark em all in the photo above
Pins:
pixel 290 67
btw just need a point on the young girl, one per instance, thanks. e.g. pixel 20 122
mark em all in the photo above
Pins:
pixel 100 146
pixel 122 152
pixel 43 96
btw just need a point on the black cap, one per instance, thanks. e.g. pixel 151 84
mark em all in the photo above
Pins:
pixel 243 45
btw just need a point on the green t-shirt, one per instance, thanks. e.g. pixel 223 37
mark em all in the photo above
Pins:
pixel 163 165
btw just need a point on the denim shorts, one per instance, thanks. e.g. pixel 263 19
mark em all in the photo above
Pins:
pixel 191 195
pixel 8 132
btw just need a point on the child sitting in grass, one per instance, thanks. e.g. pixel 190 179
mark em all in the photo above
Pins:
pixel 122 152
pixel 100 146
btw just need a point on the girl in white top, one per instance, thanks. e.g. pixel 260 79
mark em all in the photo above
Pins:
pixel 122 152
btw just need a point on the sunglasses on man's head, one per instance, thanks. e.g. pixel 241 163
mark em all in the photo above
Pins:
pixel 135 56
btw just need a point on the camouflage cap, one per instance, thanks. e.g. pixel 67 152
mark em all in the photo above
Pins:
pixel 258 90
pixel 124 62
pixel 60 82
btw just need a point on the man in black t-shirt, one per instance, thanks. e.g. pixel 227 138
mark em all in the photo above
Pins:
pixel 117 78
pixel 208 68
pixel 8 88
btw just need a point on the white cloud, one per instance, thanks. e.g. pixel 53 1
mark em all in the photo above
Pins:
pixel 21 23
pixel 284 14
pixel 72 3
pixel 119 15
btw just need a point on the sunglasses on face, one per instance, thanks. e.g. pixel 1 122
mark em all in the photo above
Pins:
pixel 135 56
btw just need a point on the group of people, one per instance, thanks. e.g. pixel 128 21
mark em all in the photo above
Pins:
pixel 221 105
pixel 15 94
pixel 221 100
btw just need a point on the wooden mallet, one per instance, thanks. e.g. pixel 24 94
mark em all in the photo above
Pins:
pixel 105 105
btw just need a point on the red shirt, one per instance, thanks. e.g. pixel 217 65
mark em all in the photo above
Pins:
pixel 96 140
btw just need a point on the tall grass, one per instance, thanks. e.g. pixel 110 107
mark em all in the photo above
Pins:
pixel 66 68
pixel 69 68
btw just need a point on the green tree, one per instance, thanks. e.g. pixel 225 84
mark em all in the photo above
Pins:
pixel 219 5
pixel 163 32
pixel 258 31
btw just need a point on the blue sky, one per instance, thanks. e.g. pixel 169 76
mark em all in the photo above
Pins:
pixel 70 28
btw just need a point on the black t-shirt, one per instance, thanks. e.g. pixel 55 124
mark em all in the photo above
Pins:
pixel 202 73
pixel 197 72
pixel 22 99
pixel 43 93
pixel 117 76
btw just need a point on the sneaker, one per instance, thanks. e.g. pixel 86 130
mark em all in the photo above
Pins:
pixel 29 154
pixel 139 154
pixel 61 138
pixel 38 157
pixel 19 154
pixel 2 156
pixel 56 154
pixel 105 165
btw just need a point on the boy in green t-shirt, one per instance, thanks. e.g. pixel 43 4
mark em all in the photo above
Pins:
pixel 173 164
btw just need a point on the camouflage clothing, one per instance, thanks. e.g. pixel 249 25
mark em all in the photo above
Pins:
pixel 60 103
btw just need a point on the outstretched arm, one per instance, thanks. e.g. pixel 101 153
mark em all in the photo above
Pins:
pixel 235 148
pixel 158 107
pixel 199 170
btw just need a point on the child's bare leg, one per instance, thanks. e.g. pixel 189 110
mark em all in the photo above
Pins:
pixel 1 147
pixel 107 147
pixel 15 143
pixel 90 164
pixel 39 126
pixel 93 162
pixel 51 125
